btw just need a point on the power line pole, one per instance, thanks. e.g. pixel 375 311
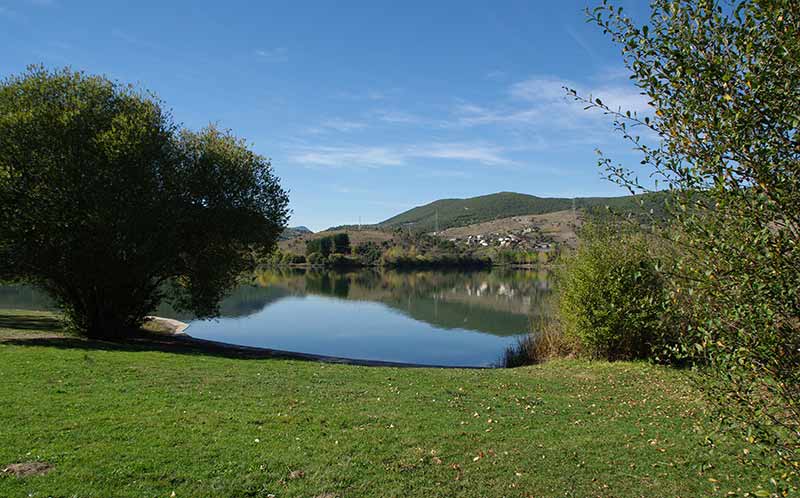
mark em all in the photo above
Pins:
pixel 574 213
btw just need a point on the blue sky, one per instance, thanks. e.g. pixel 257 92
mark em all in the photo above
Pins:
pixel 366 108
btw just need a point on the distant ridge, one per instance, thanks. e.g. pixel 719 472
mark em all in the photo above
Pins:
pixel 450 213
pixel 294 232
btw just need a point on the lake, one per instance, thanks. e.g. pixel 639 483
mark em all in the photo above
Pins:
pixel 451 318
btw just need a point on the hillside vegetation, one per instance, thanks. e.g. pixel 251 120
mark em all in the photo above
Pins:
pixel 504 222
pixel 462 212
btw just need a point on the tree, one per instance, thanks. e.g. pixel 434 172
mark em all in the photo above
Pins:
pixel 341 243
pixel 110 208
pixel 724 84
pixel 326 246
pixel 313 247
pixel 322 246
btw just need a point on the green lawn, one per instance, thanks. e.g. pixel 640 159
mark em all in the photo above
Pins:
pixel 122 422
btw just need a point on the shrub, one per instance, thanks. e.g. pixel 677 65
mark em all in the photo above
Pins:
pixel 342 261
pixel 611 298
pixel 315 258
pixel 369 253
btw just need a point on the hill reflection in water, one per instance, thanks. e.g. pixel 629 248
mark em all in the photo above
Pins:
pixel 500 302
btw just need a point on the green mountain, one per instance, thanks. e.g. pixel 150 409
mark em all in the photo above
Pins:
pixel 449 213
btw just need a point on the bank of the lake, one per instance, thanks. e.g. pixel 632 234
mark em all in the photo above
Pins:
pixel 134 421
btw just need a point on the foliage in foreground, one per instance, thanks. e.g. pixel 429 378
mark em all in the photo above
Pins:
pixel 724 84
pixel 611 298
pixel 116 422
pixel 107 205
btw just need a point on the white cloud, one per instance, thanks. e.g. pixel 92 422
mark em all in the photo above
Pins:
pixel 443 173
pixel 380 156
pixel 474 115
pixel 542 102
pixel 342 125
pixel 279 54
pixel 398 117
pixel 540 89
pixel 624 98
pixel 357 156
pixel 483 154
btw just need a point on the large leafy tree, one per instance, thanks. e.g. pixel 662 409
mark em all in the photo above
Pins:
pixel 110 207
pixel 724 83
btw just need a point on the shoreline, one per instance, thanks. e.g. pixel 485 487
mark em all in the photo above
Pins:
pixel 176 330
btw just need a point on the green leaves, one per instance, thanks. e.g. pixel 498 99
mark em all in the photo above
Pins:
pixel 611 298
pixel 104 200
pixel 726 86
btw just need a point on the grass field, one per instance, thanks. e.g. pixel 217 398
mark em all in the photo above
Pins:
pixel 127 421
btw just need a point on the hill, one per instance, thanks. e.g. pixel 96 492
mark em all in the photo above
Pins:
pixel 294 232
pixel 450 213
pixel 525 232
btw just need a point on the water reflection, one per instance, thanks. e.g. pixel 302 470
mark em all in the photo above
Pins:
pixel 431 317
pixel 496 302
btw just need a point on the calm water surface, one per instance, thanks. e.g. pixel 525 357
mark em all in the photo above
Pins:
pixel 429 317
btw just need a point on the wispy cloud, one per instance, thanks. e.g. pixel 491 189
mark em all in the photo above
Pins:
pixel 483 154
pixel 279 54
pixel 445 173
pixel 341 189
pixel 381 156
pixel 398 117
pixel 355 156
pixel 340 125
pixel 496 75
pixel 541 101
pixel 581 42
pixel 370 94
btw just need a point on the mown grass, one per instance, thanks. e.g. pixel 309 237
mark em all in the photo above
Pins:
pixel 126 422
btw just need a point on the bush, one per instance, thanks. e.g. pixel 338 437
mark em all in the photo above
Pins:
pixel 611 298
pixel 342 261
pixel 293 259
pixel 369 253
pixel 315 258
pixel 397 257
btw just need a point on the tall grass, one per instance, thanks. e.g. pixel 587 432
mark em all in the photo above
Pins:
pixel 545 341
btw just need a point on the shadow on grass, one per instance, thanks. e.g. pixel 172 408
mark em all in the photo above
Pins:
pixel 37 322
pixel 144 341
